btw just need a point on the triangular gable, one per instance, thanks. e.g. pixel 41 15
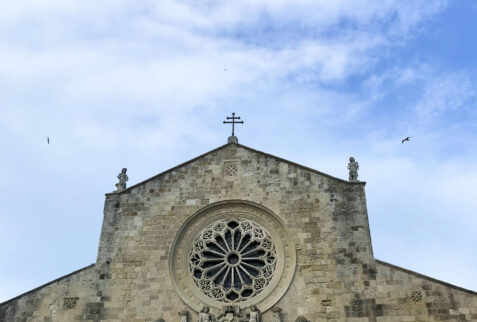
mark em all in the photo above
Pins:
pixel 244 147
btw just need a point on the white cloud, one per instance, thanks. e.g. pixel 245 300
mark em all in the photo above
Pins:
pixel 445 94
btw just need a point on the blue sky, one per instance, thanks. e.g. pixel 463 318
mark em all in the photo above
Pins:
pixel 146 84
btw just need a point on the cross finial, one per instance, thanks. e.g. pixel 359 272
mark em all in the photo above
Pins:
pixel 233 122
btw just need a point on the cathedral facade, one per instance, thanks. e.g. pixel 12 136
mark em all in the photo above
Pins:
pixel 240 235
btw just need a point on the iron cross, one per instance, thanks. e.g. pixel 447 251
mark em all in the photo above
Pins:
pixel 233 122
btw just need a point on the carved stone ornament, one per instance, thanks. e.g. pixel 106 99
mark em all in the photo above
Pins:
pixel 353 168
pixel 69 303
pixel 230 169
pixel 276 314
pixel 123 178
pixel 254 315
pixel 184 314
pixel 205 316
pixel 301 318
pixel 230 314
pixel 232 253
pixel 415 296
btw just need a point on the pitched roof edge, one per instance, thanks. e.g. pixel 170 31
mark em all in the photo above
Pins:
pixel 302 166
pixel 168 170
pixel 47 284
pixel 425 277
pixel 127 190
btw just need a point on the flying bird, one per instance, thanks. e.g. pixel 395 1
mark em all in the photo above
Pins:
pixel 406 139
pixel 48 139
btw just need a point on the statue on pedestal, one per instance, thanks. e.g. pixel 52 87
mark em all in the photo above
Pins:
pixel 254 315
pixel 353 168
pixel 121 185
pixel 204 315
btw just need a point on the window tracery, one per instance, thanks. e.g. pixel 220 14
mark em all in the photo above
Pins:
pixel 232 260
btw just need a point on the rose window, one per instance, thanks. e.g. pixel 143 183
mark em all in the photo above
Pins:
pixel 232 260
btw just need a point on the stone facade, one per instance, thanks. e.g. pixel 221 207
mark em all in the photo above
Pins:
pixel 325 269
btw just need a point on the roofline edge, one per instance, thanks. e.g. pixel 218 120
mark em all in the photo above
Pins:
pixel 435 280
pixel 127 190
pixel 47 284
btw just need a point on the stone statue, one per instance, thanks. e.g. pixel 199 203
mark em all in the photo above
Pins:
pixel 254 314
pixel 121 185
pixel 228 315
pixel 204 315
pixel 276 314
pixel 301 318
pixel 184 314
pixel 353 168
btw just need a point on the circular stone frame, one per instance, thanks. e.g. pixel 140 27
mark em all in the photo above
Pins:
pixel 229 209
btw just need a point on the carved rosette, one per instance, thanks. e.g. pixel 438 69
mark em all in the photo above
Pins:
pixel 232 252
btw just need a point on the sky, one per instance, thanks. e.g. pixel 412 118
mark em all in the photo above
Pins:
pixel 146 85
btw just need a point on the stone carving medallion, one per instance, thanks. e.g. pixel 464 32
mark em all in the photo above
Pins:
pixel 232 252
pixel 69 303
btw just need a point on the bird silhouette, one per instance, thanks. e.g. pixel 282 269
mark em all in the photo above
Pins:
pixel 406 139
